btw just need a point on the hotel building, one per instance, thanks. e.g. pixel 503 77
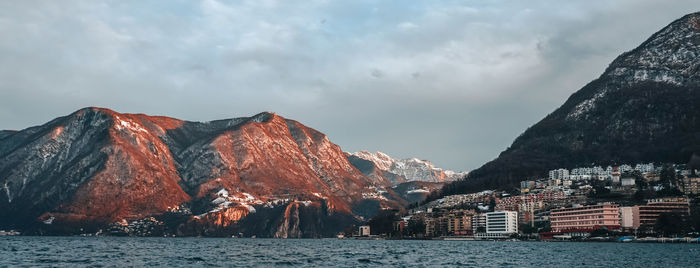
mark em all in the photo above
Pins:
pixel 586 218
pixel 647 215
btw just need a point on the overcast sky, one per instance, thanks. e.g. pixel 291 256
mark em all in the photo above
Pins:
pixel 453 82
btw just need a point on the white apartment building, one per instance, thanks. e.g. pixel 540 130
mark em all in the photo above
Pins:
pixel 625 168
pixel 644 168
pixel 502 222
pixel 582 171
pixel 559 174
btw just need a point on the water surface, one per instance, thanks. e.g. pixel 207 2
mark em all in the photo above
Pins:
pixel 188 252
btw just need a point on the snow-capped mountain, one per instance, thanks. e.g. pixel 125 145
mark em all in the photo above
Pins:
pixel 412 169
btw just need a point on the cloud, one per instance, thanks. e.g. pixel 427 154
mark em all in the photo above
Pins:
pixel 449 81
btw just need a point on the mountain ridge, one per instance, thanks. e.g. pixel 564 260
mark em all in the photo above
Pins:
pixel 96 167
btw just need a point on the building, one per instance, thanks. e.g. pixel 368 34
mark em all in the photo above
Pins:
pixel 527 210
pixel 509 203
pixel 479 221
pixel 628 181
pixel 615 175
pixel 363 230
pixel 584 177
pixel 691 185
pixel 459 225
pixel 646 216
pixel 627 218
pixel 585 218
pixel 559 174
pixel 399 226
pixel 430 227
pixel 502 222
pixel 527 185
pixel 626 168
pixel 644 168
pixel 567 183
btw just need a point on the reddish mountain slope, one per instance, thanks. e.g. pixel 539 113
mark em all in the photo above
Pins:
pixel 96 167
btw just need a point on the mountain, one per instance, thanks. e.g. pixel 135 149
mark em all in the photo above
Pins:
pixel 410 169
pixel 411 179
pixel 262 175
pixel 645 107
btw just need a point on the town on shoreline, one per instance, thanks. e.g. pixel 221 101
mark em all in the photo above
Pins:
pixel 624 203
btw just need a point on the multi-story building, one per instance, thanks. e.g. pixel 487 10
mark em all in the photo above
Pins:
pixel 527 210
pixel 479 221
pixel 535 201
pixel 585 218
pixel 502 222
pixel 459 225
pixel 559 174
pixel 626 168
pixel 527 184
pixel 691 185
pixel 509 203
pixel 468 199
pixel 582 171
pixel 636 217
pixel 430 227
pixel 585 177
pixel 627 218
pixel 644 168
pixel 646 216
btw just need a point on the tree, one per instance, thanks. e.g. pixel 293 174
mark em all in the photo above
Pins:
pixel 383 222
pixel 695 217
pixel 348 232
pixel 600 232
pixel 639 180
pixel 527 229
pixel 668 176
pixel 671 224
pixel 416 226
pixel 599 190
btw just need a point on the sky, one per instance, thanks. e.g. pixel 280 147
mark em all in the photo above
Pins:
pixel 453 82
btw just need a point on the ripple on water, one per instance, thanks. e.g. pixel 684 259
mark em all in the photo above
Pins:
pixel 189 252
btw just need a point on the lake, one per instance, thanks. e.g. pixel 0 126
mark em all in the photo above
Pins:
pixel 130 251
